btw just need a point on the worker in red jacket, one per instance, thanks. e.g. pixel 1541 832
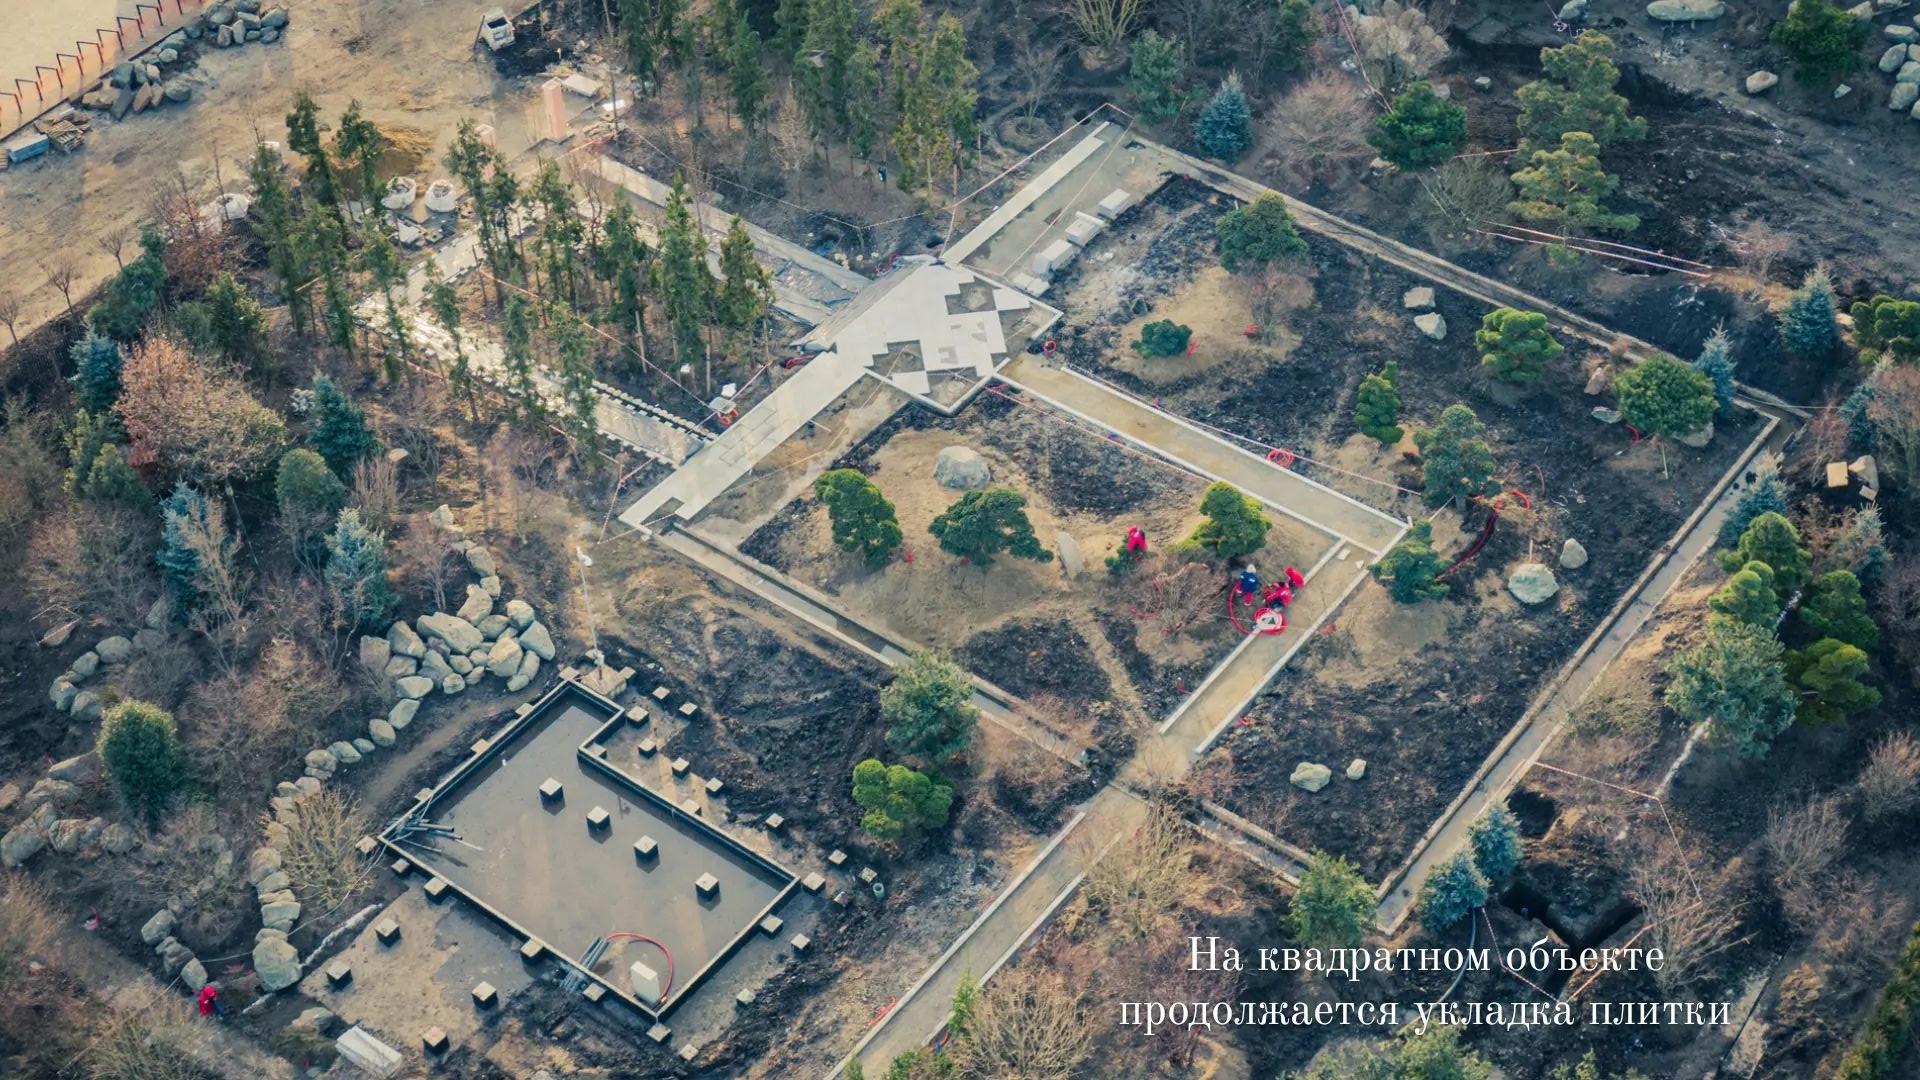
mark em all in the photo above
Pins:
pixel 210 1004
pixel 1295 578
pixel 1136 541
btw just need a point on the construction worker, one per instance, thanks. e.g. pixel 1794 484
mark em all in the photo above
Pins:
pixel 1278 595
pixel 211 1006
pixel 1295 578
pixel 1136 541
pixel 1248 586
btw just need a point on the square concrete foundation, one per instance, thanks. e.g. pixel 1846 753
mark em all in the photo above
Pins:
pixel 437 888
pixel 691 807
pixel 594 992
pixel 598 818
pixel 387 931
pixel 532 950
pixel 647 747
pixel 689 710
pixel 659 1033
pixel 715 786
pixel 646 849
pixel 836 858
pixel 400 867
pixel 706 885
pixel 801 943
pixel 367 846
pixel 485 996
pixel 434 1041
pixel 637 717
pixel 679 766
pixel 661 693
pixel 814 882
pixel 339 974
pixel 551 790
pixel 868 875
pixel 746 997
pixel 774 822
pixel 771 925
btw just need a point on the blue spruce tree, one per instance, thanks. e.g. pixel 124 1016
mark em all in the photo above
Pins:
pixel 1808 327
pixel 1224 127
pixel 96 372
pixel 1860 434
pixel 357 571
pixel 1766 496
pixel 340 432
pixel 1716 363
pixel 184 515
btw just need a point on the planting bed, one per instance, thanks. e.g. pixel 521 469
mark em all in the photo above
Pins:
pixel 1423 692
pixel 1085 642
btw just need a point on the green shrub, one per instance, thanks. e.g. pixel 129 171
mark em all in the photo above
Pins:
pixel 984 524
pixel 1877 1052
pixel 1235 527
pixel 143 756
pixel 898 799
pixel 1450 893
pixel 1411 569
pixel 929 707
pixel 864 522
pixel 1495 836
pixel 1163 337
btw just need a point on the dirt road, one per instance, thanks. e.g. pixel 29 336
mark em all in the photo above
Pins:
pixel 408 62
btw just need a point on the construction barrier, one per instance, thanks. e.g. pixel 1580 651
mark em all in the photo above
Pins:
pixel 69 74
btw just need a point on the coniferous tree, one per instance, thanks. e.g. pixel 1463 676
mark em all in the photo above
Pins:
pixel 864 522
pixel 1516 344
pixel 1376 405
pixel 273 209
pixel 356 571
pixel 340 432
pixel 1236 526
pixel 929 707
pixel 1749 597
pixel 573 347
pixel 1154 69
pixel 91 433
pixel 624 264
pixel 141 753
pixel 381 261
pixel 825 53
pixel 1734 676
pixel 237 322
pixel 562 233
pixel 1823 38
pixel 1411 569
pixel 444 301
pixel 686 285
pixel 1827 675
pixel 303 136
pixel 96 371
pixel 898 799
pixel 1835 608
pixel 522 369
pixel 1566 190
pixel 359 141
pixel 1772 539
pixel 1259 234
pixel 184 516
pixel 985 524
pixel 864 103
pixel 1576 95
pixel 113 479
pixel 1664 398
pixel 1889 327
pixel 1333 908
pixel 1455 459
pixel 1224 128
pixel 1495 836
pixel 1451 892
pixel 1421 130
pixel 1716 363
pixel 746 286
pixel 746 74
pixel 1766 496
pixel 1808 325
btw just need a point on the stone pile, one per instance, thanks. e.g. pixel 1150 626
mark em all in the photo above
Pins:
pixel 156 76
pixel 1902 61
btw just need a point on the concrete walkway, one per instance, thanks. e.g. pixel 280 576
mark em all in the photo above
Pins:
pixel 1529 738
pixel 1287 491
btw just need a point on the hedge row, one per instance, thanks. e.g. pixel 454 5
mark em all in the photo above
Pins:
pixel 1878 1049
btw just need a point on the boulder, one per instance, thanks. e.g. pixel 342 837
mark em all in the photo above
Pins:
pixel 50 792
pixel 1761 81
pixel 262 864
pixel 86 706
pixel 1605 415
pixel 493 626
pixel 1419 298
pixel 115 650
pixel 1699 438
pixel 156 929
pixel 536 640
pixel 173 954
pixel 477 607
pixel 381 733
pixel 1309 776
pixel 529 668
pixel 282 896
pixel 461 665
pixel 1356 768
pixel 306 785
pixel 459 634
pixel 453 684
pixel 272 883
pixel 319 761
pixel 1572 11
pixel 62 694
pixel 1573 554
pixel 1909 73
pixel 344 753
pixel 27 837
pixel 491 583
pixel 280 915
pixel 1841 91
pixel 1905 35
pixel 58 636
pixel 961 468
pixel 85 664
pixel 414 686
pixel 442 516
pixel 1891 60
pixel 75 769
pixel 274 20
pixel 1685 10
pixel 9 797
pixel 435 667
pixel 504 659
pixel 401 666
pixel 402 714
pixel 268 37
pixel 1432 324
pixel 482 561
pixel 402 641
pixel 1068 549
pixel 478 657
pixel 1532 583
pixel 277 964
pixel 315 1021
pixel 519 614
pixel 118 839
pixel 364 745
pixel 375 652
pixel 194 974
pixel 69 835
pixel 1904 95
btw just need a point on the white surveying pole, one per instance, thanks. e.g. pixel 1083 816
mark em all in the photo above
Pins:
pixel 586 597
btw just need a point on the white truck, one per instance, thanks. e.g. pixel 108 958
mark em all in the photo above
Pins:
pixel 496 29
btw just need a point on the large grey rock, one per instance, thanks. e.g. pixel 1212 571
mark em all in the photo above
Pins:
pixel 491 583
pixel 414 686
pixel 277 964
pixel 86 706
pixel 156 929
pixel 478 606
pixel 375 652
pixel 75 834
pixel 280 915
pixel 961 468
pixel 1072 561
pixel 1356 768
pixel 1309 776
pixel 1699 438
pixel 9 797
pixel 315 1020
pixel 27 837
pixel 147 640
pixel 194 974
pixel 1909 73
pixel 401 666
pixel 494 625
pixel 459 634
pixel 322 762
pixel 344 753
pixel 453 684
pixel 529 668
pixel 118 839
pixel 402 714
pixel 1432 324
pixel 50 791
pixel 482 561
pixel 381 733
pixel 75 769
pixel 1685 10
pixel 1418 298
pixel 306 785
pixel 404 642
pixel 1573 554
pixel 536 640
pixel 461 665
pixel 519 614
pixel 115 650
pixel 1904 34
pixel 1904 95
pixel 274 20
pixel 272 883
pixel 1761 81
pixel 62 694
pixel 1532 583
pixel 435 667
pixel 262 864
pixel 504 659
pixel 364 745
pixel 1891 60
pixel 85 664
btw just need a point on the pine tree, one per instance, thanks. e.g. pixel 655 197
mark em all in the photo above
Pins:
pixel 1257 235
pixel 1235 527
pixel 1734 676
pixel 686 285
pixel 1224 128
pixel 184 515
pixel 790 20
pixel 624 263
pixel 381 261
pixel 746 74
pixel 134 293
pixel 1576 95
pixel 1827 675
pixel 1716 363
pixel 1861 437
pixel 1749 597
pixel 339 433
pixel 273 210
pixel 640 40
pixel 573 347
pixel 1516 344
pixel 929 707
pixel 864 522
pixel 141 753
pixel 985 524
pixel 746 288
pixel 444 301
pixel 1566 190
pixel 1808 326
pixel 1495 837
pixel 495 191
pixel 822 63
pixel 1887 326
pixel 1451 892
pixel 1411 569
pixel 1664 398
pixel 96 371
pixel 238 323
pixel 113 479
pixel 522 369
pixel 308 492
pixel 898 799
pixel 1835 608
pixel 562 232
pixel 1823 39
pixel 1421 130
pixel 863 99
pixel 1376 405
pixel 303 137
pixel 1455 459
pixel 1154 69
pixel 1772 539
pixel 359 141
pixel 1334 905
pixel 91 433
pixel 356 571
pixel 321 245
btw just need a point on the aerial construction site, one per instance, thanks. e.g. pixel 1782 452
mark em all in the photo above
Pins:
pixel 814 538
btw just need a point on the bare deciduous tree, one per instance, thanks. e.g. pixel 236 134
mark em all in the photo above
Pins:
pixel 1397 44
pixel 1141 879
pixel 91 559
pixel 1804 845
pixel 1028 1025
pixel 1104 24
pixel 114 241
pixel 1320 127
pixel 1890 782
pixel 1758 246
pixel 61 269
pixel 1036 65
pixel 425 555
pixel 1465 192
pixel 320 856
pixel 223 585
pixel 1895 412
pixel 376 493
pixel 1691 914
pixel 10 313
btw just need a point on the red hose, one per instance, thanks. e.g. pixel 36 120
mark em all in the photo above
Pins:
pixel 667 987
pixel 1159 603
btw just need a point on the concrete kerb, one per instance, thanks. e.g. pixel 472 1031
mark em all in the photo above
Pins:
pixel 1182 462
pixel 1285 658
pixel 1246 643
pixel 1552 689
pixel 961 941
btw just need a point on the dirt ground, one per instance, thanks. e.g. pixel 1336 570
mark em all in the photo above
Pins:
pixel 1083 642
